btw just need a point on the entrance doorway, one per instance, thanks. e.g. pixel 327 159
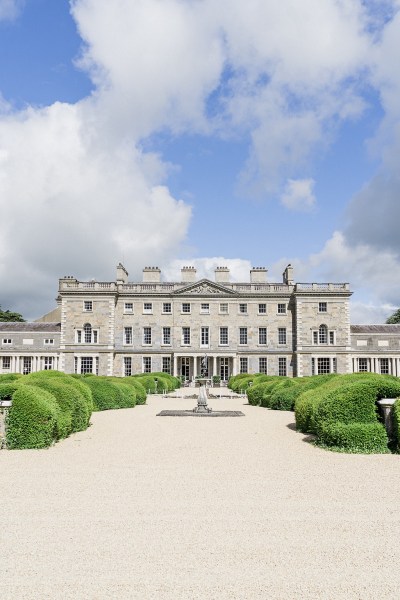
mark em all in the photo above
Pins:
pixel 224 369
pixel 185 367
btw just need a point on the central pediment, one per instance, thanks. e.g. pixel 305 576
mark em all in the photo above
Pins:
pixel 204 287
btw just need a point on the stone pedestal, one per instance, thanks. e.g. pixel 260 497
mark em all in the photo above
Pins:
pixel 386 409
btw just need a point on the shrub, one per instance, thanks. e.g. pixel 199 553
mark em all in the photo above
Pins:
pixel 106 394
pixel 148 382
pixel 9 377
pixel 138 387
pixel 32 418
pixel 396 415
pixel 7 389
pixel 255 393
pixel 73 398
pixel 365 438
pixel 128 395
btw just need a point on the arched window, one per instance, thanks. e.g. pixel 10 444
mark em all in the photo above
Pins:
pixel 87 329
pixel 323 334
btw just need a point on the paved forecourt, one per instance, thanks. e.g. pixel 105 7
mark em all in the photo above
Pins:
pixel 144 507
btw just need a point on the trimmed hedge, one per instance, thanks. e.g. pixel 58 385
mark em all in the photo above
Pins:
pixel 365 438
pixel 108 395
pixel 32 419
pixel 72 397
pixel 9 377
pixel 396 413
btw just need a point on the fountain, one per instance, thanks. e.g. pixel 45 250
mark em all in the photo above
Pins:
pixel 201 410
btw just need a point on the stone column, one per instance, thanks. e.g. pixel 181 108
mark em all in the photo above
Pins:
pixel 214 367
pixel 175 365
pixel 194 367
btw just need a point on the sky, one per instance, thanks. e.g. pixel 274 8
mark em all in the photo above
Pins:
pixel 194 132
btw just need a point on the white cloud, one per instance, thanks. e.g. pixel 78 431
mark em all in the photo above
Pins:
pixel 299 195
pixel 74 202
pixel 10 9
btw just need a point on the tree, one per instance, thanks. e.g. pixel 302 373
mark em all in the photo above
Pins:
pixel 6 315
pixel 394 318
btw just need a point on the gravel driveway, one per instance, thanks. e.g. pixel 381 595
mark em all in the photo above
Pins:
pixel 147 507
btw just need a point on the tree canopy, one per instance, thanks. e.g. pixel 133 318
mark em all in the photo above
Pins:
pixel 394 318
pixel 6 315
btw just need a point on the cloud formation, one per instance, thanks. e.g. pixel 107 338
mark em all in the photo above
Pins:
pixel 273 74
pixel 10 9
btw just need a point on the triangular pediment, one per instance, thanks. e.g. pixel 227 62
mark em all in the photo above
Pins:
pixel 204 287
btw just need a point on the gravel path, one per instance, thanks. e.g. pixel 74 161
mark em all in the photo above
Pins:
pixel 146 507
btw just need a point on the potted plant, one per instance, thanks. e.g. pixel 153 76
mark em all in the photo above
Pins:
pixel 216 380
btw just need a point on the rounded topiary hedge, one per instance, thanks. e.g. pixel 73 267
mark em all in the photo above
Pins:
pixel 6 377
pixel 106 394
pixel 72 397
pixel 32 419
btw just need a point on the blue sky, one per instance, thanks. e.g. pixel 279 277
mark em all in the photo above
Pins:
pixel 184 132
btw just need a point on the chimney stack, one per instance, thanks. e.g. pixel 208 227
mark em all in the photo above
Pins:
pixel 122 274
pixel 151 275
pixel 258 275
pixel 288 275
pixel 188 274
pixel 222 275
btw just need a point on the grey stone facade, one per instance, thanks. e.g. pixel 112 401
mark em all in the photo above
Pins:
pixel 121 328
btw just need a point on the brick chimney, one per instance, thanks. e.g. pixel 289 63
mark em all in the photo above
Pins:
pixel 151 275
pixel 188 274
pixel 222 275
pixel 258 275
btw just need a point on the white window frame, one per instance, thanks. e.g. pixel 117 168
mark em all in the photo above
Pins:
pixel 262 311
pixel 242 308
pixel 204 337
pixel 48 342
pixel 167 312
pixel 243 336
pixel 185 336
pixel 127 366
pixel 48 363
pixel 6 366
pixel 263 360
pixel 166 364
pixel 88 306
pixel 128 336
pixel 222 307
pixel 222 332
pixel 243 364
pixel 282 366
pixel 147 308
pixel 6 342
pixel 166 335
pixel 281 309
pixel 128 308
pixel 147 336
pixel 186 308
pixel 204 308
pixel 262 331
pixel 82 335
pixel 282 336
pixel 146 364
pixel 322 307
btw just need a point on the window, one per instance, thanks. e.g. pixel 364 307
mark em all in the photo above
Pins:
pixel 223 308
pixel 262 365
pixel 185 336
pixel 242 335
pixel 86 364
pixel 167 307
pixel 87 305
pixel 362 365
pixel 223 336
pixel 322 307
pixel 282 335
pixel 127 366
pixel 128 335
pixel 186 307
pixel 205 336
pixel 146 364
pixel 282 367
pixel 384 364
pixel 281 308
pixel 166 364
pixel 6 362
pixel 323 334
pixel 331 337
pixel 262 335
pixel 7 342
pixel 148 308
pixel 147 335
pixel 48 363
pixel 243 309
pixel 205 308
pixel 262 309
pixel 26 365
pixel 128 307
pixel 243 365
pixel 49 342
pixel 166 336
pixel 87 335
pixel 323 366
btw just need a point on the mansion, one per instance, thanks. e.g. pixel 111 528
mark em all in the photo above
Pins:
pixel 194 327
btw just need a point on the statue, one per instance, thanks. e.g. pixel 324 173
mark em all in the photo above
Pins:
pixel 204 366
